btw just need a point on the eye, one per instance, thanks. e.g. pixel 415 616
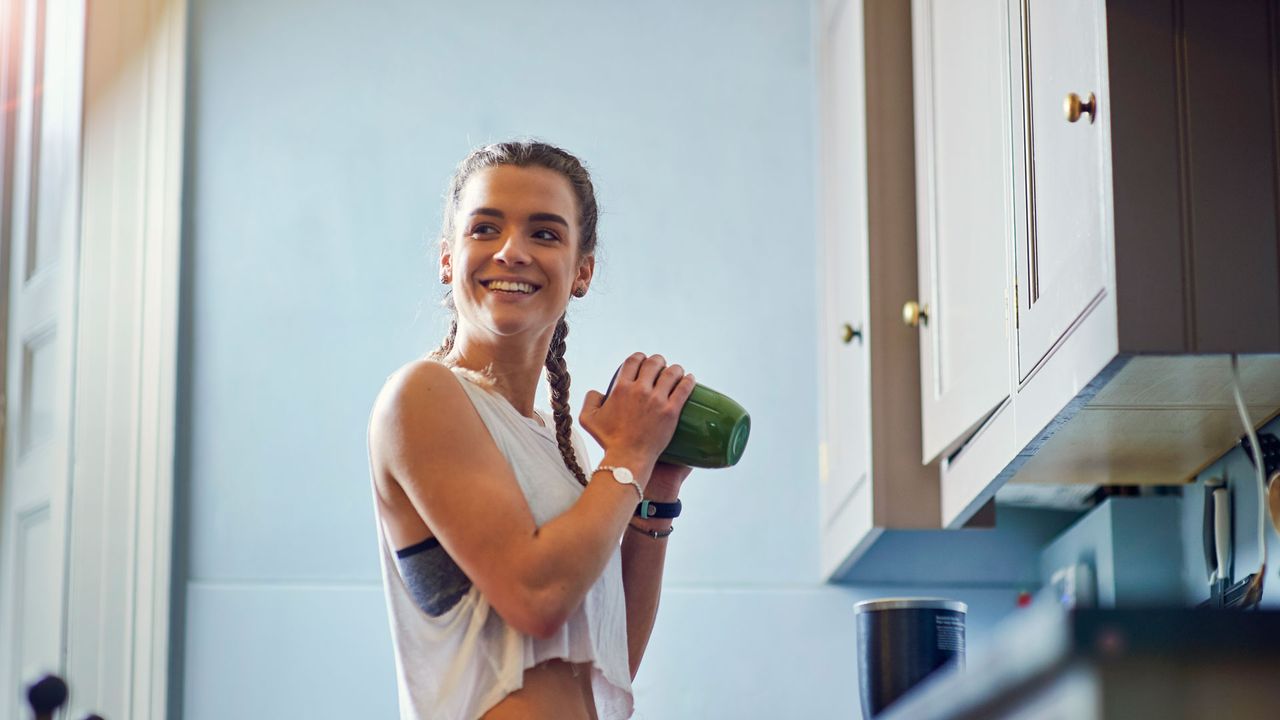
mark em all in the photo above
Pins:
pixel 547 235
pixel 484 229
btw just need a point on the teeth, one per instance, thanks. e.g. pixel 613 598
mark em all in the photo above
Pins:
pixel 511 286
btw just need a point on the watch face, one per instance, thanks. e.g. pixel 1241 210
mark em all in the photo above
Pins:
pixel 623 475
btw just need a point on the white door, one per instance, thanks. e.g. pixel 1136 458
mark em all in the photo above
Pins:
pixel 1061 249
pixel 43 57
pixel 845 401
pixel 964 213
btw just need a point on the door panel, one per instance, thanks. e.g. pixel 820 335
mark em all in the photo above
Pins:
pixel 1061 257
pixel 35 579
pixel 964 214
pixel 843 165
pixel 43 46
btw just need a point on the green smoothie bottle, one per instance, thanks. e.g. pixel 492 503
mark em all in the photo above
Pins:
pixel 711 432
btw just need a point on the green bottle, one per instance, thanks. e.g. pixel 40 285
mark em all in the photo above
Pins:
pixel 711 432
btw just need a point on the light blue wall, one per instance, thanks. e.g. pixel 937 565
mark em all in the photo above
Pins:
pixel 1133 548
pixel 321 133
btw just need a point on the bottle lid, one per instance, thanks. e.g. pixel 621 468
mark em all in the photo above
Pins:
pixel 738 440
pixel 922 603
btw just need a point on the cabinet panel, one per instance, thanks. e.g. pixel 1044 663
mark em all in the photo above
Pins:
pixel 1064 233
pixel 843 164
pixel 964 189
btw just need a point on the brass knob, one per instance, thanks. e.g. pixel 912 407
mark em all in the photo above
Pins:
pixel 914 315
pixel 1074 107
pixel 849 332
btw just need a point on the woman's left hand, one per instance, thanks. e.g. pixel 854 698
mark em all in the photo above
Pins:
pixel 664 483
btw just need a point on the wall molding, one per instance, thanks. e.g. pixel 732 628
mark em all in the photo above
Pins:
pixel 121 529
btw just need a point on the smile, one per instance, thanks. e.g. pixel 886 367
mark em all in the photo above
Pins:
pixel 508 286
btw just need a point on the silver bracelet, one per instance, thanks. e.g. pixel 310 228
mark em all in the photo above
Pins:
pixel 655 534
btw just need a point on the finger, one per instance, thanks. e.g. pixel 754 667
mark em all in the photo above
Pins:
pixel 649 370
pixel 591 403
pixel 587 418
pixel 668 379
pixel 683 389
pixel 630 366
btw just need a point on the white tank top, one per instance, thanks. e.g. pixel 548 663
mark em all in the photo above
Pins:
pixel 462 663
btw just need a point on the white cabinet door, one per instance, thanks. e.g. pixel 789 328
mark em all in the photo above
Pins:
pixel 964 190
pixel 845 400
pixel 39 192
pixel 1062 264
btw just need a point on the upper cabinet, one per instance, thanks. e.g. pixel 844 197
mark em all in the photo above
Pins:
pixel 963 210
pixel 1063 238
pixel 869 455
pixel 844 462
pixel 1097 203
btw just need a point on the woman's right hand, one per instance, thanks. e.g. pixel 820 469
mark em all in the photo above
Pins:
pixel 643 407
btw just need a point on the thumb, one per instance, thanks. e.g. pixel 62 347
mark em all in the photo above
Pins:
pixel 592 402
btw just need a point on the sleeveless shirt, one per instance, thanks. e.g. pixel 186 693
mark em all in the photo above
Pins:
pixel 460 664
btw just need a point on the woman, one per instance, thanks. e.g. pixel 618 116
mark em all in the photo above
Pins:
pixel 508 591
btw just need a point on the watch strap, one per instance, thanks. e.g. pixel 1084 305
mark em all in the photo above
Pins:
pixel 654 509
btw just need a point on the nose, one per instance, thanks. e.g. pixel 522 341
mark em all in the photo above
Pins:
pixel 513 250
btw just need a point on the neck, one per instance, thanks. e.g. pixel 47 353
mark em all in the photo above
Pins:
pixel 514 363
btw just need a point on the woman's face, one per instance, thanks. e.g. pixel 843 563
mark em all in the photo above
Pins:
pixel 513 261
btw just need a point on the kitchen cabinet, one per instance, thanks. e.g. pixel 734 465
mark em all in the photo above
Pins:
pixel 1062 236
pixel 963 211
pixel 1104 173
pixel 869 456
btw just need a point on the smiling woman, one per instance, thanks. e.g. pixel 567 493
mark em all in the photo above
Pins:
pixel 508 592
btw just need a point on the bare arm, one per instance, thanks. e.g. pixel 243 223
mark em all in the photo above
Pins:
pixel 427 438
pixel 643 559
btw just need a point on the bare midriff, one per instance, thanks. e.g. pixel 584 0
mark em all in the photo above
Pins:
pixel 553 690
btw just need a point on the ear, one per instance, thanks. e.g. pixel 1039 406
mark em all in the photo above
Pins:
pixel 446 263
pixel 586 269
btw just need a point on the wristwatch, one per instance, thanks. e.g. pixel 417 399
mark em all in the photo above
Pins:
pixel 623 476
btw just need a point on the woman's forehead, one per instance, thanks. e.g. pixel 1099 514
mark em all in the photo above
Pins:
pixel 523 190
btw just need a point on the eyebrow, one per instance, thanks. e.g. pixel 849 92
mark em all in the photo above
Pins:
pixel 536 217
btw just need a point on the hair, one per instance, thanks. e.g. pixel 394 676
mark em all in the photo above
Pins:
pixel 541 155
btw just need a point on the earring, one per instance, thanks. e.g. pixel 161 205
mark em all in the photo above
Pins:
pixel 579 291
pixel 444 278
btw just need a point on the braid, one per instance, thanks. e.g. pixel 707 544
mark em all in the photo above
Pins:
pixel 446 346
pixel 558 377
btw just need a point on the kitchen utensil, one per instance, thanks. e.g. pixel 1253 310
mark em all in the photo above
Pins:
pixel 1273 501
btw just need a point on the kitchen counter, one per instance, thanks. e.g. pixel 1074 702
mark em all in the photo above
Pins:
pixel 1127 663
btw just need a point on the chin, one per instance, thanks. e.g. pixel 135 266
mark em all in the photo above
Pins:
pixel 510 326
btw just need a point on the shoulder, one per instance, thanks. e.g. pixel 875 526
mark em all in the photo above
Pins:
pixel 416 393
pixel 423 422
pixel 414 379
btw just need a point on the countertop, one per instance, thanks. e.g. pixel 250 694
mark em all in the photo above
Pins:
pixel 1160 662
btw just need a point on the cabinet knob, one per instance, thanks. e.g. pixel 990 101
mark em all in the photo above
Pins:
pixel 849 332
pixel 1074 107
pixel 915 315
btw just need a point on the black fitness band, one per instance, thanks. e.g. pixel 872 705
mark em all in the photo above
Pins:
pixel 652 509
